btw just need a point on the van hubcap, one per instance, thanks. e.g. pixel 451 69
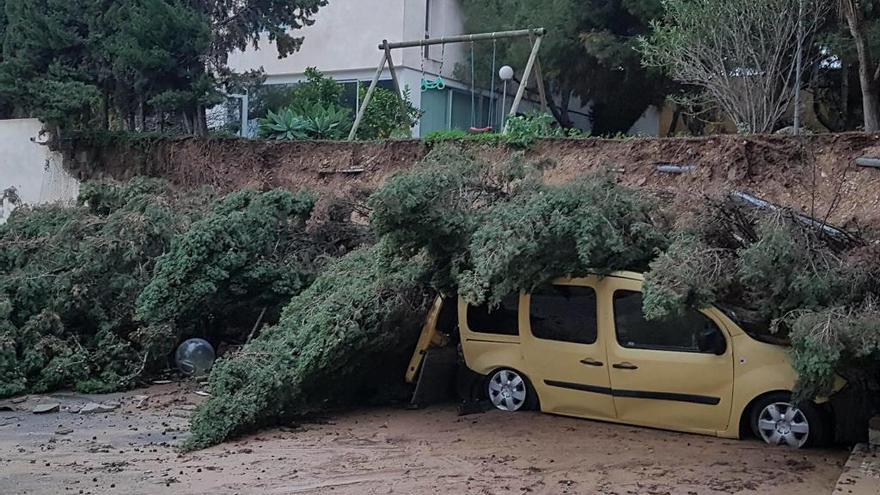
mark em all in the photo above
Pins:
pixel 782 423
pixel 507 390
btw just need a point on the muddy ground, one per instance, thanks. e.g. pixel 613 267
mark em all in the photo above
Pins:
pixel 131 450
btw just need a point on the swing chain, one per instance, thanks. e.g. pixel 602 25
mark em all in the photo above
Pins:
pixel 439 83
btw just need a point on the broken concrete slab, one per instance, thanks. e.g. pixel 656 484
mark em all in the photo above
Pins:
pixel 46 408
pixel 95 408
pixel 861 474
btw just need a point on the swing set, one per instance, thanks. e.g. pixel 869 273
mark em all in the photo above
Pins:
pixel 533 65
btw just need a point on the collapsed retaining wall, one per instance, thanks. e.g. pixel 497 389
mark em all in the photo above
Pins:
pixel 815 174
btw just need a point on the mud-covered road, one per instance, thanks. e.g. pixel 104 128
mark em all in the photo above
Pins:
pixel 130 450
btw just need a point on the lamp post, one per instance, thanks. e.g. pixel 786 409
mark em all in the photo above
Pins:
pixel 506 74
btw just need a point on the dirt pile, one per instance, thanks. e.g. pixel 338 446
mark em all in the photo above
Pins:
pixel 816 174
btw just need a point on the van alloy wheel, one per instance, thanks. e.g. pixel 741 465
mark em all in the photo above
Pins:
pixel 782 423
pixel 507 390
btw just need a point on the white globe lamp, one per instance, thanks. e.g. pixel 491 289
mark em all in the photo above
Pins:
pixel 506 73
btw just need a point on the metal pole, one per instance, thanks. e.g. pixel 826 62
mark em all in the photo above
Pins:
pixel 522 33
pixel 526 75
pixel 799 69
pixel 503 106
pixel 245 113
pixel 368 97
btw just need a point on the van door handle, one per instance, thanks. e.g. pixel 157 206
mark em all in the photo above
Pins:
pixel 625 366
pixel 591 362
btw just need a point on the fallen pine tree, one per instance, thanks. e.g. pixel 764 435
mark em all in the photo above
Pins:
pixel 342 341
pixel 453 224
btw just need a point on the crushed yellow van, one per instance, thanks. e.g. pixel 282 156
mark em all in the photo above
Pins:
pixel 582 347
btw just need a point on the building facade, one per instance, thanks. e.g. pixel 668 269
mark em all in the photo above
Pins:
pixel 343 44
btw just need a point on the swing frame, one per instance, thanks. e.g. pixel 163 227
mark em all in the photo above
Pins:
pixel 533 65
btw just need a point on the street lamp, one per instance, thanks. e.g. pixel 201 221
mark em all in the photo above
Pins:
pixel 506 74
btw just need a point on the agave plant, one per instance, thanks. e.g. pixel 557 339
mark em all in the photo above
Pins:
pixel 314 121
pixel 286 125
pixel 326 122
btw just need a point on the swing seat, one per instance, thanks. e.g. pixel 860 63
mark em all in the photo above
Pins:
pixel 481 130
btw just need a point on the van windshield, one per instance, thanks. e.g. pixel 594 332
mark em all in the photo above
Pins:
pixel 754 325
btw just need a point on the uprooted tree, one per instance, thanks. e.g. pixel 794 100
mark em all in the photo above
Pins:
pixel 457 225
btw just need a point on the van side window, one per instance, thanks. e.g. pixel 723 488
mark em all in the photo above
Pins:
pixel 691 332
pixel 564 313
pixel 501 320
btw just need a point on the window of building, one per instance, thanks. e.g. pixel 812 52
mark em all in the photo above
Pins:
pixel 564 313
pixel 691 332
pixel 502 320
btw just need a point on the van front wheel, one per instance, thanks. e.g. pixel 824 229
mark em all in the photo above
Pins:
pixel 508 390
pixel 777 421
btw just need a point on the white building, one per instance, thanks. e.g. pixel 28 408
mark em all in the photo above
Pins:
pixel 343 43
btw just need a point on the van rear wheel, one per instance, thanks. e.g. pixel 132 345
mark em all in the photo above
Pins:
pixel 508 390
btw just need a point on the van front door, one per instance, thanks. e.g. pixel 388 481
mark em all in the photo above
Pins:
pixel 563 350
pixel 675 373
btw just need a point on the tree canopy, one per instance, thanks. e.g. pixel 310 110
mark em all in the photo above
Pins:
pixel 113 62
pixel 589 52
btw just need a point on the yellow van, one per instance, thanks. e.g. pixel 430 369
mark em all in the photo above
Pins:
pixel 582 347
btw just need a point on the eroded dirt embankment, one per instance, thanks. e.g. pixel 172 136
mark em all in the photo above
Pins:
pixel 816 175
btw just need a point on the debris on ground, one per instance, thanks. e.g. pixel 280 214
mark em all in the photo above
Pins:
pixel 95 408
pixel 47 408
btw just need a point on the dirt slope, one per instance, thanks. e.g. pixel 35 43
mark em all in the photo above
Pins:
pixel 815 175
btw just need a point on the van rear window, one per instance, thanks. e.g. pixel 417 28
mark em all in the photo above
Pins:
pixel 500 320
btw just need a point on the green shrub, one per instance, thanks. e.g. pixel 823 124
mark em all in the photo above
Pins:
pixel 385 118
pixel 317 89
pixel 521 131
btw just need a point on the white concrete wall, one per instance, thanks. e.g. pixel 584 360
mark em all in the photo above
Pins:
pixel 344 37
pixel 31 168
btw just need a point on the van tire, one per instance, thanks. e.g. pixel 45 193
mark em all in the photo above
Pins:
pixel 816 419
pixel 499 377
